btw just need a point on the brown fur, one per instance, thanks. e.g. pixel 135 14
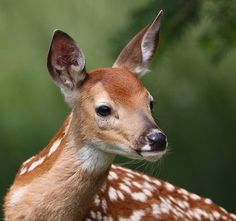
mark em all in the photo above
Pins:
pixel 57 183
pixel 122 85
pixel 61 186
pixel 60 190
pixel 59 178
pixel 171 198
pixel 48 163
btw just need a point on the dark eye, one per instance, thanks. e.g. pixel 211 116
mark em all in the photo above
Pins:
pixel 103 111
pixel 152 104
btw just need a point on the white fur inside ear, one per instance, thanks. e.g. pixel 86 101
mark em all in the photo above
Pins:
pixel 148 42
pixel 66 81
pixel 76 72
pixel 141 70
pixel 147 50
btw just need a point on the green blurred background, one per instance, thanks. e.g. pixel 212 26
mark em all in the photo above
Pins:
pixel 193 80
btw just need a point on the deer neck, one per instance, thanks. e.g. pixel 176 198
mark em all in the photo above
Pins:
pixel 90 156
pixel 78 170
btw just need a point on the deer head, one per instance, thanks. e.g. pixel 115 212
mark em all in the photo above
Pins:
pixel 111 107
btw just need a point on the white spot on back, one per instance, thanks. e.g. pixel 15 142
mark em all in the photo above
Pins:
pixel 130 175
pixel 185 204
pixel 147 178
pixel 108 218
pixel 104 186
pixel 164 208
pixel 194 196
pixel 147 192
pixel 208 201
pixel 112 176
pixel 36 164
pixel 136 216
pixel 127 181
pixel 125 188
pixel 96 200
pixel 27 161
pixel 93 214
pixel 232 216
pixel 199 213
pixel 120 194
pixel 69 122
pixel 138 185
pixel 183 191
pixel 155 209
pixel 181 204
pixel 157 182
pixel 169 187
pixel 104 205
pixel 222 209
pixel 139 196
pixel 112 193
pixel 54 147
pixel 23 170
pixel 149 186
pixel 99 216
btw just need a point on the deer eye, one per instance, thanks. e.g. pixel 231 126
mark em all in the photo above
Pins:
pixel 103 110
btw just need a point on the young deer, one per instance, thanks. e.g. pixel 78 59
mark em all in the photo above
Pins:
pixel 72 178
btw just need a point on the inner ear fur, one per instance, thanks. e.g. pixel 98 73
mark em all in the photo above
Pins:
pixel 138 53
pixel 66 61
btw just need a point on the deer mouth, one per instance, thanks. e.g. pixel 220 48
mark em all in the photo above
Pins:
pixel 150 154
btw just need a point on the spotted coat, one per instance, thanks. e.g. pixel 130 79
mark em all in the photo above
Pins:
pixel 131 196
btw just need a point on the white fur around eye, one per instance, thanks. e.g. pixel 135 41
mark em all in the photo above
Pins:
pixel 105 123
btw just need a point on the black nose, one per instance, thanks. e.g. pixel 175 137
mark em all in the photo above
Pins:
pixel 157 141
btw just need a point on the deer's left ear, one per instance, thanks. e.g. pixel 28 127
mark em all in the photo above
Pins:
pixel 66 62
pixel 138 53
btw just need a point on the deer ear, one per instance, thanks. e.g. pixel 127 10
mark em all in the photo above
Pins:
pixel 66 62
pixel 138 53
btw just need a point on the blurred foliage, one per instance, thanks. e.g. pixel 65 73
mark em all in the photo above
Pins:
pixel 177 15
pixel 220 36
pixel 193 79
pixel 217 38
pixel 196 92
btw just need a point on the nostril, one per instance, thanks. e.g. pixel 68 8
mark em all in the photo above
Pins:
pixel 157 140
pixel 152 137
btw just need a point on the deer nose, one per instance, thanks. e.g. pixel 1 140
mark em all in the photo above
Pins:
pixel 157 141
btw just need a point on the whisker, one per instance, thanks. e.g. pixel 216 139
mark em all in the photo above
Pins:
pixel 142 163
pixel 127 162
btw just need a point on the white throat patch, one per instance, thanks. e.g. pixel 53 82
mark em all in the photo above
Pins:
pixel 93 159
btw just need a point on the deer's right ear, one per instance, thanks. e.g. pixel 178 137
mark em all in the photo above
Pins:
pixel 138 53
pixel 66 62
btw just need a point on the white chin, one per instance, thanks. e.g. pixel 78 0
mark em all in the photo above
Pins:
pixel 126 151
pixel 152 156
